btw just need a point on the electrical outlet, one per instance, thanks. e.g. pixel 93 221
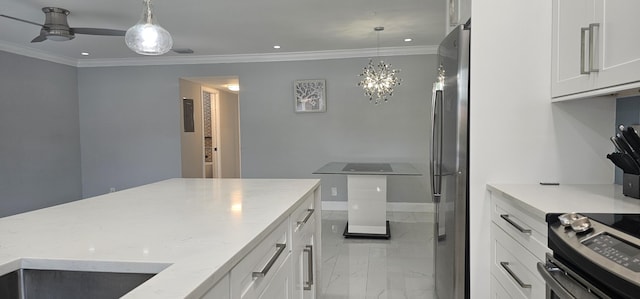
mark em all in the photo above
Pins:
pixel 334 191
pixel 112 189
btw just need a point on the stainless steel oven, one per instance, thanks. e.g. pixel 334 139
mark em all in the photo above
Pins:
pixel 598 259
pixel 563 283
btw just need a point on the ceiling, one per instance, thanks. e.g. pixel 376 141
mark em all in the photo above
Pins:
pixel 232 27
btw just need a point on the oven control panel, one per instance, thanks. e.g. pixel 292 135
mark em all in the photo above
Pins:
pixel 623 253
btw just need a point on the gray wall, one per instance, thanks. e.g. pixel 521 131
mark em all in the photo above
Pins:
pixel 192 143
pixel 40 145
pixel 129 127
pixel 130 130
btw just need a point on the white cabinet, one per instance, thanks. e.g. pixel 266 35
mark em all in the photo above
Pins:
pixel 592 49
pixel 304 265
pixel 220 290
pixel 620 58
pixel 498 291
pixel 515 267
pixel 518 243
pixel 284 264
pixel 570 46
pixel 305 249
pixel 253 274
pixel 280 286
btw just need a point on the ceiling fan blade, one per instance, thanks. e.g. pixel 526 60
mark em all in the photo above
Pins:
pixel 21 20
pixel 98 31
pixel 39 38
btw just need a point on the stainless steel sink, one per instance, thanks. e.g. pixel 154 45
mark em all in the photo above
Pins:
pixel 54 284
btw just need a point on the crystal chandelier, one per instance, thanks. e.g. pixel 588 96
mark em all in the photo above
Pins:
pixel 147 37
pixel 378 81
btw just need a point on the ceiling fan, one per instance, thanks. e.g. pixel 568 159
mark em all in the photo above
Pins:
pixel 57 28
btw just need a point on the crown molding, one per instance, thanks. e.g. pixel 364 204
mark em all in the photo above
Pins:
pixel 38 54
pixel 265 57
pixel 212 59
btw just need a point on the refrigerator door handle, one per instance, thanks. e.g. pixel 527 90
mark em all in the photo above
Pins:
pixel 435 161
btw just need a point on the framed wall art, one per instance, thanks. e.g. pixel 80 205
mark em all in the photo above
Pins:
pixel 310 95
pixel 187 110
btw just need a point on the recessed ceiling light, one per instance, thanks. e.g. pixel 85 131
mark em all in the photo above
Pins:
pixel 408 39
pixel 276 47
pixel 84 54
pixel 233 87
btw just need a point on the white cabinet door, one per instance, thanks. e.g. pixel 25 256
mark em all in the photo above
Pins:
pixel 255 272
pixel 304 266
pixel 620 58
pixel 518 243
pixel 594 47
pixel 280 286
pixel 569 19
pixel 515 267
pixel 303 254
pixel 219 291
pixel 498 291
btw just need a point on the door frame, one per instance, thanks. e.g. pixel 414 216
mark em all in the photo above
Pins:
pixel 215 130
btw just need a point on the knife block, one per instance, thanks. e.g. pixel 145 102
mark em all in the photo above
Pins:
pixel 631 185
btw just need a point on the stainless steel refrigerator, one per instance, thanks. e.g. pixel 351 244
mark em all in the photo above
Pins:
pixel 449 165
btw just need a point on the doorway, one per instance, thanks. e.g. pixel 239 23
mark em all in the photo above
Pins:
pixel 210 127
pixel 211 136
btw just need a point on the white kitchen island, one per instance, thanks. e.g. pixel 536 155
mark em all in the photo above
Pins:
pixel 192 232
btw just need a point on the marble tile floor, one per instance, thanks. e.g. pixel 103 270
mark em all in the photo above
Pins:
pixel 399 268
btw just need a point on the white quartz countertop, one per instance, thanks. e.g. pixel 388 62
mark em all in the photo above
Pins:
pixel 540 199
pixel 191 230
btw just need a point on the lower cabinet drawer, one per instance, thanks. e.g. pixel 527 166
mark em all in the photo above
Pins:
pixel 302 217
pixel 280 286
pixel 514 267
pixel 498 291
pixel 256 270
pixel 520 225
pixel 219 291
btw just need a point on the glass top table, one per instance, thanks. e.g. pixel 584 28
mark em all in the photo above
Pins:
pixel 350 168
pixel 367 195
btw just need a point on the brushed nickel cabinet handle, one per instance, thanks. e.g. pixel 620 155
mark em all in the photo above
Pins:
pixel 306 218
pixel 307 284
pixel 523 285
pixel 517 226
pixel 593 29
pixel 583 30
pixel 272 261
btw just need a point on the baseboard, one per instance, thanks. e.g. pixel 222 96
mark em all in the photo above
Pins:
pixel 410 207
pixel 334 206
pixel 391 206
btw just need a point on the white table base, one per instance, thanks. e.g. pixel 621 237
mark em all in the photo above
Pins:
pixel 367 206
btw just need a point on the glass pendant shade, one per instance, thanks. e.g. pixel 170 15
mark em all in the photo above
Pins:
pixel 147 37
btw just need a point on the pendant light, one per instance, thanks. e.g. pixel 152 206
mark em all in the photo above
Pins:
pixel 378 81
pixel 147 37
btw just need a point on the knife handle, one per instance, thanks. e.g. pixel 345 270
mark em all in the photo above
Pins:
pixel 617 146
pixel 632 138
pixel 624 162
pixel 626 147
